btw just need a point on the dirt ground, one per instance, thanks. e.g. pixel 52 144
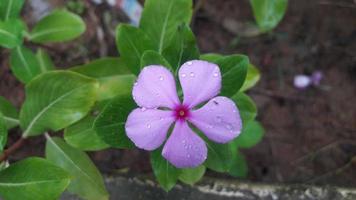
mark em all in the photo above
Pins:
pixel 310 134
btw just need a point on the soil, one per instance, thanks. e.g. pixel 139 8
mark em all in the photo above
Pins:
pixel 310 134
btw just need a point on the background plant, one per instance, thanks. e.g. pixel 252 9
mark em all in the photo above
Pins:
pixel 91 102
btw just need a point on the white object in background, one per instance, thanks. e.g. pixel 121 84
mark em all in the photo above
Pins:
pixel 132 9
pixel 40 8
pixel 302 81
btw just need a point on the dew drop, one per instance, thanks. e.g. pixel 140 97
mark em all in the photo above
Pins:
pixel 161 118
pixel 188 155
pixel 183 141
pixel 211 126
pixel 189 63
pixel 234 111
pixel 229 127
pixel 216 74
pixel 148 125
pixel 219 119
pixel 184 75
pixel 185 146
pixel 135 84
pixel 161 78
pixel 190 146
pixel 143 109
pixel 192 74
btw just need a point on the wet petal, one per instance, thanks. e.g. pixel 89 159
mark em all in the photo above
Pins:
pixel 147 128
pixel 184 148
pixel 219 120
pixel 155 87
pixel 200 81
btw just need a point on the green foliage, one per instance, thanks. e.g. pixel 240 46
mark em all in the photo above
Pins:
pixel 132 42
pixel 153 58
pixel 233 70
pixel 44 60
pixel 166 174
pixel 219 156
pixel 55 100
pixel 110 122
pixel 83 136
pixel 192 175
pixel 10 9
pixel 24 64
pixel 11 33
pixel 251 135
pixel 87 181
pixel 246 106
pixel 238 166
pixel 10 114
pixel 113 75
pixel 268 13
pixel 182 48
pixel 58 26
pixel 33 179
pixel 252 77
pixel 3 132
pixel 161 19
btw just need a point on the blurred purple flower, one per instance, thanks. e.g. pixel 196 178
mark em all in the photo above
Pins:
pixel 155 93
pixel 302 81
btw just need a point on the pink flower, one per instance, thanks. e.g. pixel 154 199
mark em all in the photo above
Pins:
pixel 160 108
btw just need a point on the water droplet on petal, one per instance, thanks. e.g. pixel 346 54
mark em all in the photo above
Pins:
pixel 161 118
pixel 219 119
pixel 185 146
pixel 216 74
pixel 183 141
pixel 143 109
pixel 190 146
pixel 161 78
pixel 135 84
pixel 229 127
pixel 148 125
pixel 211 126
pixel 188 155
pixel 192 74
pixel 189 63
pixel 183 75
pixel 234 111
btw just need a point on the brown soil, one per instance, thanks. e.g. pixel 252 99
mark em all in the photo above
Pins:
pixel 310 135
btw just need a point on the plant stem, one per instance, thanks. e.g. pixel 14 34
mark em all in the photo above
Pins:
pixel 18 144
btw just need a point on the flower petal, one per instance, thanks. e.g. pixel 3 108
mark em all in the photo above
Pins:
pixel 184 148
pixel 155 87
pixel 219 119
pixel 200 81
pixel 148 128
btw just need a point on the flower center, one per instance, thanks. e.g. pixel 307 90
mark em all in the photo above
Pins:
pixel 181 112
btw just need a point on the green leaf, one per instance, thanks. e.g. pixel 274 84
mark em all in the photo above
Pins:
pixel 113 75
pixel 268 13
pixel 110 123
pixel 55 100
pixel 246 106
pixel 132 43
pixel 210 57
pixel 24 64
pixel 82 135
pixel 219 156
pixel 11 33
pixel 182 48
pixel 44 60
pixel 153 58
pixel 233 70
pixel 10 9
pixel 58 26
pixel 33 179
pixel 192 175
pixel 87 181
pixel 9 112
pixel 166 174
pixel 252 77
pixel 238 166
pixel 3 132
pixel 161 18
pixel 252 133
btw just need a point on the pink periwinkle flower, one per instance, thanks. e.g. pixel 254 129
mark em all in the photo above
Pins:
pixel 156 95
